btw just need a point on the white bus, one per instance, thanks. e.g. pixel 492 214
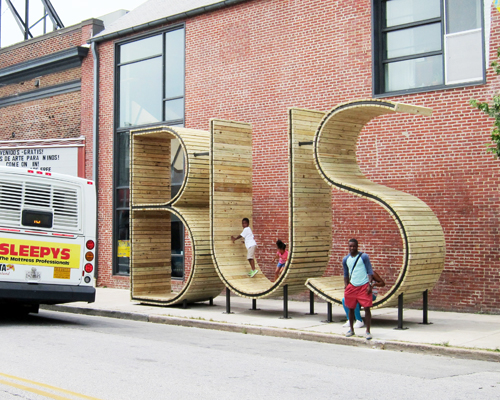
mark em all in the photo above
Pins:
pixel 47 239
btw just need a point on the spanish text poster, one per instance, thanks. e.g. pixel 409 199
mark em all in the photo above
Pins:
pixel 63 160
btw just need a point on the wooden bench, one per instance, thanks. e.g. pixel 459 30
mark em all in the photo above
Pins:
pixel 152 206
pixel 335 144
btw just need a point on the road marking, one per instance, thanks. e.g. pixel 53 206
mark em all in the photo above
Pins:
pixel 41 392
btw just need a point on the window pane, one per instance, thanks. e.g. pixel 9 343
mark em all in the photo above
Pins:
pixel 463 15
pixel 122 198
pixel 174 64
pixel 123 242
pixel 464 57
pixel 410 41
pixel 177 160
pixel 140 92
pixel 177 248
pixel 405 11
pixel 410 74
pixel 123 160
pixel 141 49
pixel 174 109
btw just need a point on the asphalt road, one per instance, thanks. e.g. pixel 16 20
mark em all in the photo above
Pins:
pixel 46 355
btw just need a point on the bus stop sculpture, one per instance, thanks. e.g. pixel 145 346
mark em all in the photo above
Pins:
pixel 217 193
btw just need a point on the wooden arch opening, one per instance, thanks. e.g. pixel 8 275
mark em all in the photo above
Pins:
pixel 335 144
pixel 152 205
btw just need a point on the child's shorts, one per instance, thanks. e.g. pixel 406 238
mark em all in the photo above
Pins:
pixel 251 253
pixel 280 265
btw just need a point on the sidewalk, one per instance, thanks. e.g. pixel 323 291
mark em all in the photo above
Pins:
pixel 474 336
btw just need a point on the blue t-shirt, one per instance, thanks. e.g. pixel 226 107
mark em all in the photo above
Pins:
pixel 363 268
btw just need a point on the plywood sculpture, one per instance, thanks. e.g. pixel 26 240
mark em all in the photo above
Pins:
pixel 217 193
pixel 152 206
pixel 231 200
pixel 423 239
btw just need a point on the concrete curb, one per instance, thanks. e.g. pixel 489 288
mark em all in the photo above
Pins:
pixel 455 352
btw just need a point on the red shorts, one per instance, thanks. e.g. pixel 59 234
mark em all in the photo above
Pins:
pixel 357 294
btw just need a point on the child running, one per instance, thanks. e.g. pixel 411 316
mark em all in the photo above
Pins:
pixel 281 256
pixel 250 244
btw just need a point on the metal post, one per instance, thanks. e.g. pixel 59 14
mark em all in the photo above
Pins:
pixel 184 304
pixel 311 303
pixel 44 20
pixel 425 308
pixel 400 313
pixel 26 23
pixel 228 302
pixel 285 302
pixel 211 301
pixel 329 313
pixel 254 305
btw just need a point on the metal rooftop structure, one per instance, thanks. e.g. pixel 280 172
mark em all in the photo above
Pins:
pixel 24 23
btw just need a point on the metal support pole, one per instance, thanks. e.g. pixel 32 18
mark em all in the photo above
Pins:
pixel 254 305
pixel 329 313
pixel 228 302
pixel 425 308
pixel 26 16
pixel 211 301
pixel 400 313
pixel 184 304
pixel 311 303
pixel 285 302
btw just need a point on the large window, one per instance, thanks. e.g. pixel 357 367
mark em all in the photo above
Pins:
pixel 422 44
pixel 149 89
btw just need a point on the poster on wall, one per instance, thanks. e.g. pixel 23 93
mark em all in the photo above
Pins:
pixel 63 160
pixel 57 156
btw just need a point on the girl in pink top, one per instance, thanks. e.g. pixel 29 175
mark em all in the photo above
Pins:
pixel 281 256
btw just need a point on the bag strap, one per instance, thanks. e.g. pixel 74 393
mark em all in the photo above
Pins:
pixel 354 266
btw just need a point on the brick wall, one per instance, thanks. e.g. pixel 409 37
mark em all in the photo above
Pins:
pixel 54 117
pixel 252 61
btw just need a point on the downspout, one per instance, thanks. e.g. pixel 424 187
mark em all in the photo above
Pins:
pixel 95 146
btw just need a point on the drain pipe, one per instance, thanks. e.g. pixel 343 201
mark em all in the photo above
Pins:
pixel 95 145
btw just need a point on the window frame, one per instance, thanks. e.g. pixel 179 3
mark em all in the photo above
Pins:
pixel 378 63
pixel 117 130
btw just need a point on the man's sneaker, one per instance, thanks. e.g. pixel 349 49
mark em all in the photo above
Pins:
pixel 359 324
pixel 254 272
pixel 250 273
pixel 349 333
pixel 368 336
pixel 346 325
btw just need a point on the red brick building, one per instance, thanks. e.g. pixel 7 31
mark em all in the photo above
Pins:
pixel 183 63
pixel 46 99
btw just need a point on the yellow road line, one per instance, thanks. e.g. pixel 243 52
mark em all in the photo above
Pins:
pixel 41 392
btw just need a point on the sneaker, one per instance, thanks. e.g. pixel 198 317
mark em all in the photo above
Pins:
pixel 347 325
pixel 250 273
pixel 349 333
pixel 368 336
pixel 359 324
pixel 254 272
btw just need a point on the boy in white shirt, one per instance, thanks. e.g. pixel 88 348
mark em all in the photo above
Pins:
pixel 250 244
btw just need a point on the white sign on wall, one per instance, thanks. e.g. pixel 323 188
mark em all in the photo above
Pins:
pixel 63 160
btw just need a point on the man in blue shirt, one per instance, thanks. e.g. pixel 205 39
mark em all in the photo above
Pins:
pixel 358 283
